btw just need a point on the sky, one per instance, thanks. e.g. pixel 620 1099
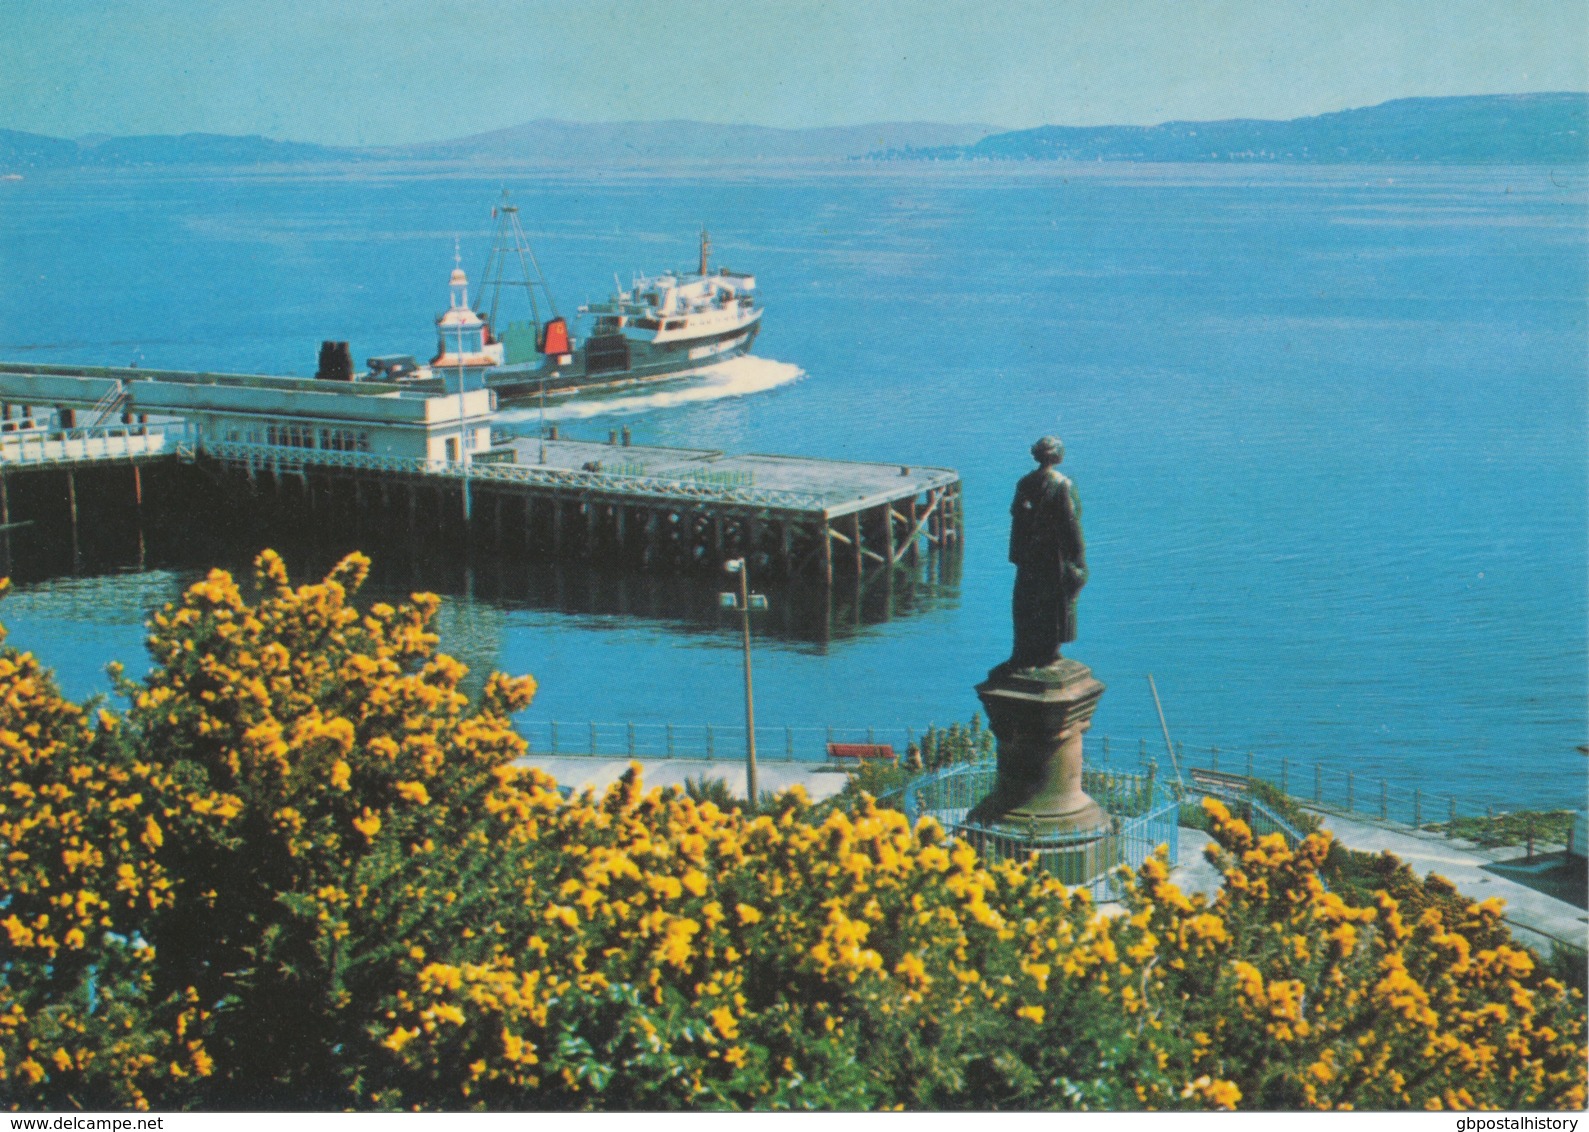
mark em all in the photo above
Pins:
pixel 381 72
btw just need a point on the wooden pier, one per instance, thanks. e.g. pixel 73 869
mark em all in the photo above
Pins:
pixel 642 506
pixel 645 506
pixel 390 454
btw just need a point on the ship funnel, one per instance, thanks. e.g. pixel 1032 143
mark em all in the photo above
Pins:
pixel 555 338
pixel 336 362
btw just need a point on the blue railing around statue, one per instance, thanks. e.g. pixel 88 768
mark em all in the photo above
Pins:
pixel 1144 815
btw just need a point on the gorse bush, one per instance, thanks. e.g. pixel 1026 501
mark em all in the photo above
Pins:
pixel 200 891
pixel 877 780
pixel 301 870
pixel 79 827
pixel 1270 797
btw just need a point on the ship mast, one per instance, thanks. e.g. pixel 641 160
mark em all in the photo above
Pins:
pixel 706 248
pixel 510 248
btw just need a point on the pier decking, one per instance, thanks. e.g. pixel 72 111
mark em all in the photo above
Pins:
pixel 648 505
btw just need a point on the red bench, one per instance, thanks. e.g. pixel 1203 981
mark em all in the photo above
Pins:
pixel 860 751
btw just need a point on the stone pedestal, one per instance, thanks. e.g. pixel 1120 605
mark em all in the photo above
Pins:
pixel 1038 717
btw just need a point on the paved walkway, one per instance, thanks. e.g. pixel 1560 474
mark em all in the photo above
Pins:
pixel 1537 919
pixel 1195 872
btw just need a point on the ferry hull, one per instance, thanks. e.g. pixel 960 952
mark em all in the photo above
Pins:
pixel 602 370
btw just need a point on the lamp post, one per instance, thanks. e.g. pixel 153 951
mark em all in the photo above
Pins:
pixel 463 447
pixel 744 601
pixel 461 302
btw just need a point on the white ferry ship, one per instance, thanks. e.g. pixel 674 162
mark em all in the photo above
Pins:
pixel 658 327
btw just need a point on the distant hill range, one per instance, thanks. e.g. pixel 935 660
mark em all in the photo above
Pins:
pixel 1478 129
pixel 20 150
pixel 680 140
pixel 541 142
pixel 1522 129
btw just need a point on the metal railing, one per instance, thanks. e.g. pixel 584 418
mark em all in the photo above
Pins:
pixel 112 402
pixel 621 482
pixel 1145 814
pixel 110 442
pixel 1391 799
pixel 1339 789
pixel 701 740
pixel 1259 818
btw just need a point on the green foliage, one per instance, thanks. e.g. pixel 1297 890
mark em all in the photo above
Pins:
pixel 1121 795
pixel 1284 806
pixel 700 788
pixel 1569 965
pixel 877 779
pixel 1281 805
pixel 1512 828
pixel 957 743
pixel 939 749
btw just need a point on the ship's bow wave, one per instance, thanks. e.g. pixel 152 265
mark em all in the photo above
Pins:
pixel 736 377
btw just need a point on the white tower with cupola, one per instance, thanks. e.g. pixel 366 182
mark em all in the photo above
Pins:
pixel 464 345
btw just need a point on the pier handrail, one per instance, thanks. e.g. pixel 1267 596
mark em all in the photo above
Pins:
pixel 77 445
pixel 264 455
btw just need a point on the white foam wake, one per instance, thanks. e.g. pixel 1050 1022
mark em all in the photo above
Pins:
pixel 736 377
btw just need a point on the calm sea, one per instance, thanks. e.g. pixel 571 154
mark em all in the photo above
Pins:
pixel 1328 427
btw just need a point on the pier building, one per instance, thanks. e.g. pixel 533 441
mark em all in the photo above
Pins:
pixel 385 419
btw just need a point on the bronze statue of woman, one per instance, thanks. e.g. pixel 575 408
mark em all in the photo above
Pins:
pixel 1050 559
